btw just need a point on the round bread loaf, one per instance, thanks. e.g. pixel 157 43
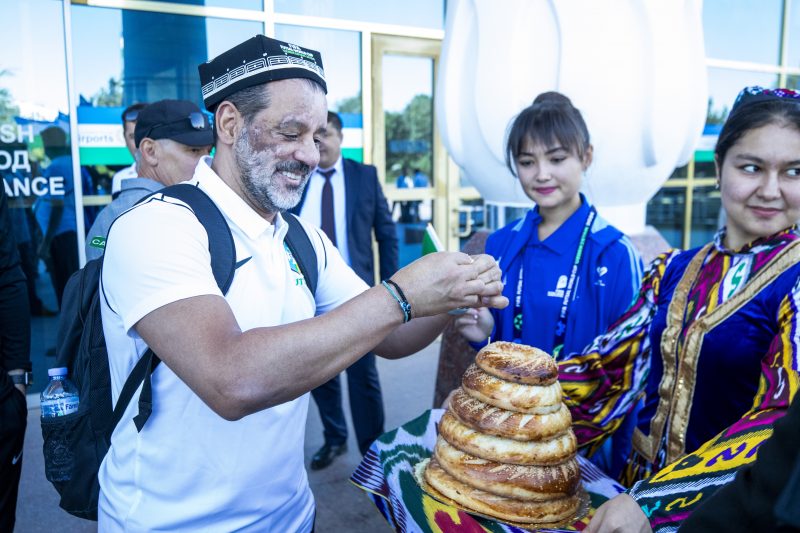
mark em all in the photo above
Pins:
pixel 519 363
pixel 501 507
pixel 510 424
pixel 530 399
pixel 546 452
pixel 537 483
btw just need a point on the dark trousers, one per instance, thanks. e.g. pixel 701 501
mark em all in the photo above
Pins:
pixel 63 260
pixel 13 420
pixel 366 405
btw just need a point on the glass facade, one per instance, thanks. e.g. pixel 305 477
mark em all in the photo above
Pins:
pixel 726 24
pixel 122 57
pixel 665 212
pixel 57 178
pixel 239 4
pixel 793 29
pixel 408 118
pixel 341 56
pixel 422 13
pixel 723 86
pixel 35 158
pixel 686 210
pixel 706 216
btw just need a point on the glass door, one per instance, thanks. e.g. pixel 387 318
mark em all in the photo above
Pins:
pixel 406 147
pixel 420 181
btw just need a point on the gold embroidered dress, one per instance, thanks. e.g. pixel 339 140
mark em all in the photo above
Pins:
pixel 712 342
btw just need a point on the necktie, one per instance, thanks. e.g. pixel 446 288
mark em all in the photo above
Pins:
pixel 328 221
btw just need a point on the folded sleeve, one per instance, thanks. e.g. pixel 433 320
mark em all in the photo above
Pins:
pixel 602 384
pixel 748 503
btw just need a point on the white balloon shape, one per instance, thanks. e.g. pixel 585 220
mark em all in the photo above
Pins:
pixel 635 68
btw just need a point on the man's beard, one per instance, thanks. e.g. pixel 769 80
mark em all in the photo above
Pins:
pixel 257 170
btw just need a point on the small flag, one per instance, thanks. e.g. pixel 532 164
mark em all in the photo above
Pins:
pixel 430 241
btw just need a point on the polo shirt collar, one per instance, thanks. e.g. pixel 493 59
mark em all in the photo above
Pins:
pixel 231 204
pixel 140 183
pixel 562 240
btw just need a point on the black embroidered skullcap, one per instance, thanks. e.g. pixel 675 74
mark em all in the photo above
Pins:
pixel 258 60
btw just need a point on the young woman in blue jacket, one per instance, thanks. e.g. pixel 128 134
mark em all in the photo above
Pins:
pixel 568 273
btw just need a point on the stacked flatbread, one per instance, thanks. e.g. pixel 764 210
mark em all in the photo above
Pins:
pixel 506 447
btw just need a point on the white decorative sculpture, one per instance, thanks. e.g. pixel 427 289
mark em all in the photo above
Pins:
pixel 634 68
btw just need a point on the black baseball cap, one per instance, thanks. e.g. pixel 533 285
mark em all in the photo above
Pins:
pixel 177 120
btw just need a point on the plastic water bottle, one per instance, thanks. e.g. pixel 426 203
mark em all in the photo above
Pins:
pixel 60 397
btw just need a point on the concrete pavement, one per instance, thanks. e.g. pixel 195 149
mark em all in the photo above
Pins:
pixel 407 391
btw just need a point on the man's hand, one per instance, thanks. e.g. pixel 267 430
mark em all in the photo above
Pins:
pixel 437 283
pixel 619 515
pixel 20 387
pixel 476 324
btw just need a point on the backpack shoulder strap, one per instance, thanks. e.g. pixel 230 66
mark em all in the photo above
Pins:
pixel 220 239
pixel 302 250
pixel 223 265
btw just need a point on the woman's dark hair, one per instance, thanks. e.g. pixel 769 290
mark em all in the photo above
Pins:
pixel 753 116
pixel 551 119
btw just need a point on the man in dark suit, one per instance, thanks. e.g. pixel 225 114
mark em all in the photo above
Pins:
pixel 345 199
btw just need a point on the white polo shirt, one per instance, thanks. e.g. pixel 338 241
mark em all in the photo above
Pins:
pixel 189 469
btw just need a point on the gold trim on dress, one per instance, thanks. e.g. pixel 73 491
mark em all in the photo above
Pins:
pixel 647 445
pixel 680 359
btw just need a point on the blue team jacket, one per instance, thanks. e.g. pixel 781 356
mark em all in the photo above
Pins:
pixel 607 281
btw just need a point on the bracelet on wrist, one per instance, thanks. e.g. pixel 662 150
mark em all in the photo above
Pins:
pixel 397 293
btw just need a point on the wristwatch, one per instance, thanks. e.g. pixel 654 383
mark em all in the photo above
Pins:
pixel 26 378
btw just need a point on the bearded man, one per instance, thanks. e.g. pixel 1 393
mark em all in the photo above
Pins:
pixel 223 447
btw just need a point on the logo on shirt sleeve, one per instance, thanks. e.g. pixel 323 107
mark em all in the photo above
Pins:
pixel 98 242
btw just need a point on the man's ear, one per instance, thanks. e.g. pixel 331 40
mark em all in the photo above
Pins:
pixel 227 120
pixel 149 149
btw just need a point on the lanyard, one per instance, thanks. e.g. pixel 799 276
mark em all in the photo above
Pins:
pixel 561 324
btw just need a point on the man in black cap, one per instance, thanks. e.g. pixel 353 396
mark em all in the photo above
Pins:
pixel 170 138
pixel 223 447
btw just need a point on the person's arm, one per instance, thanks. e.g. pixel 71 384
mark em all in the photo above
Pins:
pixel 748 502
pixel 157 276
pixel 15 325
pixel 385 232
pixel 668 497
pixel 15 319
pixel 602 384
pixel 240 372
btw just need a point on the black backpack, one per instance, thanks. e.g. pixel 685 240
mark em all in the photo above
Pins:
pixel 75 444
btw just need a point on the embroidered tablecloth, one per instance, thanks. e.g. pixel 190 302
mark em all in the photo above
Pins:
pixel 387 474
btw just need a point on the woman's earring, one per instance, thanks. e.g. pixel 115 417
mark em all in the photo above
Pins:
pixel 716 184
